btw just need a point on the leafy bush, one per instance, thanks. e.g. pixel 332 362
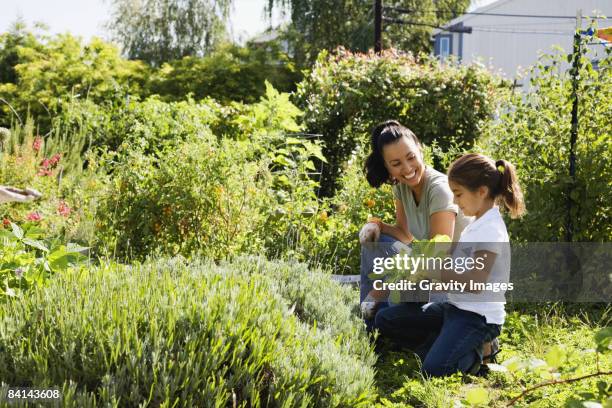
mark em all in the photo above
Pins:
pixel 26 260
pixel 175 187
pixel 173 334
pixel 230 73
pixel 346 94
pixel 50 71
pixel 200 195
pixel 534 134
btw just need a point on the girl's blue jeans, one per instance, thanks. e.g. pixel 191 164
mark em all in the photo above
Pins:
pixel 446 338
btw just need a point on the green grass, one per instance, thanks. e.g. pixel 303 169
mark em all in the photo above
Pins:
pixel 531 331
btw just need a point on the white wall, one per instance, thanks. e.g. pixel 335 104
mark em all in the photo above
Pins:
pixel 507 51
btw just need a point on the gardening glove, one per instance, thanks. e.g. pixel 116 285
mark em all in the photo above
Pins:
pixel 369 233
pixel 372 302
pixel 369 306
pixel 9 194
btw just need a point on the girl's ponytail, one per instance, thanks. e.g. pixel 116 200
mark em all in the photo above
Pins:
pixel 475 170
pixel 509 190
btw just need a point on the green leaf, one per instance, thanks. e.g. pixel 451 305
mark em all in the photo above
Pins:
pixel 35 244
pixel 75 248
pixel 477 396
pixel 513 364
pixel 603 338
pixel 17 231
pixel 555 357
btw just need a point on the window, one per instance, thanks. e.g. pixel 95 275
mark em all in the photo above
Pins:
pixel 444 47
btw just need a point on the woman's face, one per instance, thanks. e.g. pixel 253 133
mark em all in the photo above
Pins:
pixel 404 161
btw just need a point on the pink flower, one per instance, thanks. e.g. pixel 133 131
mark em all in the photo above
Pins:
pixel 63 209
pixel 37 144
pixel 33 216
pixel 45 163
pixel 55 159
pixel 43 172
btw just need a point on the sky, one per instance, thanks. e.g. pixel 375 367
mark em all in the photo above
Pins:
pixel 86 18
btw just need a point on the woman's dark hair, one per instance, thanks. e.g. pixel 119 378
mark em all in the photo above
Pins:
pixel 473 171
pixel 390 131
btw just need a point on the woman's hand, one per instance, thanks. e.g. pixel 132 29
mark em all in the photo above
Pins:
pixel 9 194
pixel 369 233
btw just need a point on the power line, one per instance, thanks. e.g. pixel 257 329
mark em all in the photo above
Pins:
pixel 453 29
pixel 457 13
pixel 493 30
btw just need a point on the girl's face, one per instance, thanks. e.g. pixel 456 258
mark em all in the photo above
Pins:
pixel 404 161
pixel 471 203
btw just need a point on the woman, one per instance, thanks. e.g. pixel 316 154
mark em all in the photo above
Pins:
pixel 423 209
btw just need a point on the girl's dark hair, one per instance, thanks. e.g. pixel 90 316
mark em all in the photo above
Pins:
pixel 475 170
pixel 390 131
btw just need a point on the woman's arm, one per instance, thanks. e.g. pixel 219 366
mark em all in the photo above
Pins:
pixel 400 230
pixel 442 223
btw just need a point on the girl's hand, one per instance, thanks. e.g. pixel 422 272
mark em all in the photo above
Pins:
pixel 369 233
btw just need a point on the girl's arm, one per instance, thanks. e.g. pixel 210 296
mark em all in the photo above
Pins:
pixel 400 230
pixel 474 275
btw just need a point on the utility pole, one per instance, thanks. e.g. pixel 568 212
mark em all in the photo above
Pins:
pixel 575 74
pixel 377 26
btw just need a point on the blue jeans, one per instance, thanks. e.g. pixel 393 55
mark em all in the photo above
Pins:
pixel 446 338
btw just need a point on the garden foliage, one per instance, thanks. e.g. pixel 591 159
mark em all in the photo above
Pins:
pixel 346 95
pixel 534 134
pixel 249 333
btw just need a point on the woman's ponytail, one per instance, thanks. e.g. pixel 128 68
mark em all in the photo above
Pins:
pixel 509 191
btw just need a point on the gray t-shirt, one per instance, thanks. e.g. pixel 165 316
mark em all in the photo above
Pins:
pixel 437 196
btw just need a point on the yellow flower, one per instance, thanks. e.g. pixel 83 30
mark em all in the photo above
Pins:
pixel 323 216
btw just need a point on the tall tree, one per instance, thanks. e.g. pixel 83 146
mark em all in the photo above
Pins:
pixel 326 24
pixel 157 31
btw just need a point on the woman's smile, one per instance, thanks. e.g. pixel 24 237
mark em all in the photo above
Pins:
pixel 410 175
pixel 404 162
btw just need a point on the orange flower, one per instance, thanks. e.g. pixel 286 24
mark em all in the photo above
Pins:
pixel 370 203
pixel 63 209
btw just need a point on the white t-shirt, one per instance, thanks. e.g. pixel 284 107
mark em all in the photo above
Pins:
pixel 487 233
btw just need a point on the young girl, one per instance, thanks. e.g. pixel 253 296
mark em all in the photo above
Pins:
pixel 473 317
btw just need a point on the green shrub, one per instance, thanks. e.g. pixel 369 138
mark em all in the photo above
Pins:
pixel 534 134
pixel 51 71
pixel 172 334
pixel 230 73
pixel 346 94
pixel 202 195
pixel 26 260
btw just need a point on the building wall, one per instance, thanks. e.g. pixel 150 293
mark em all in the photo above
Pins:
pixel 508 44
